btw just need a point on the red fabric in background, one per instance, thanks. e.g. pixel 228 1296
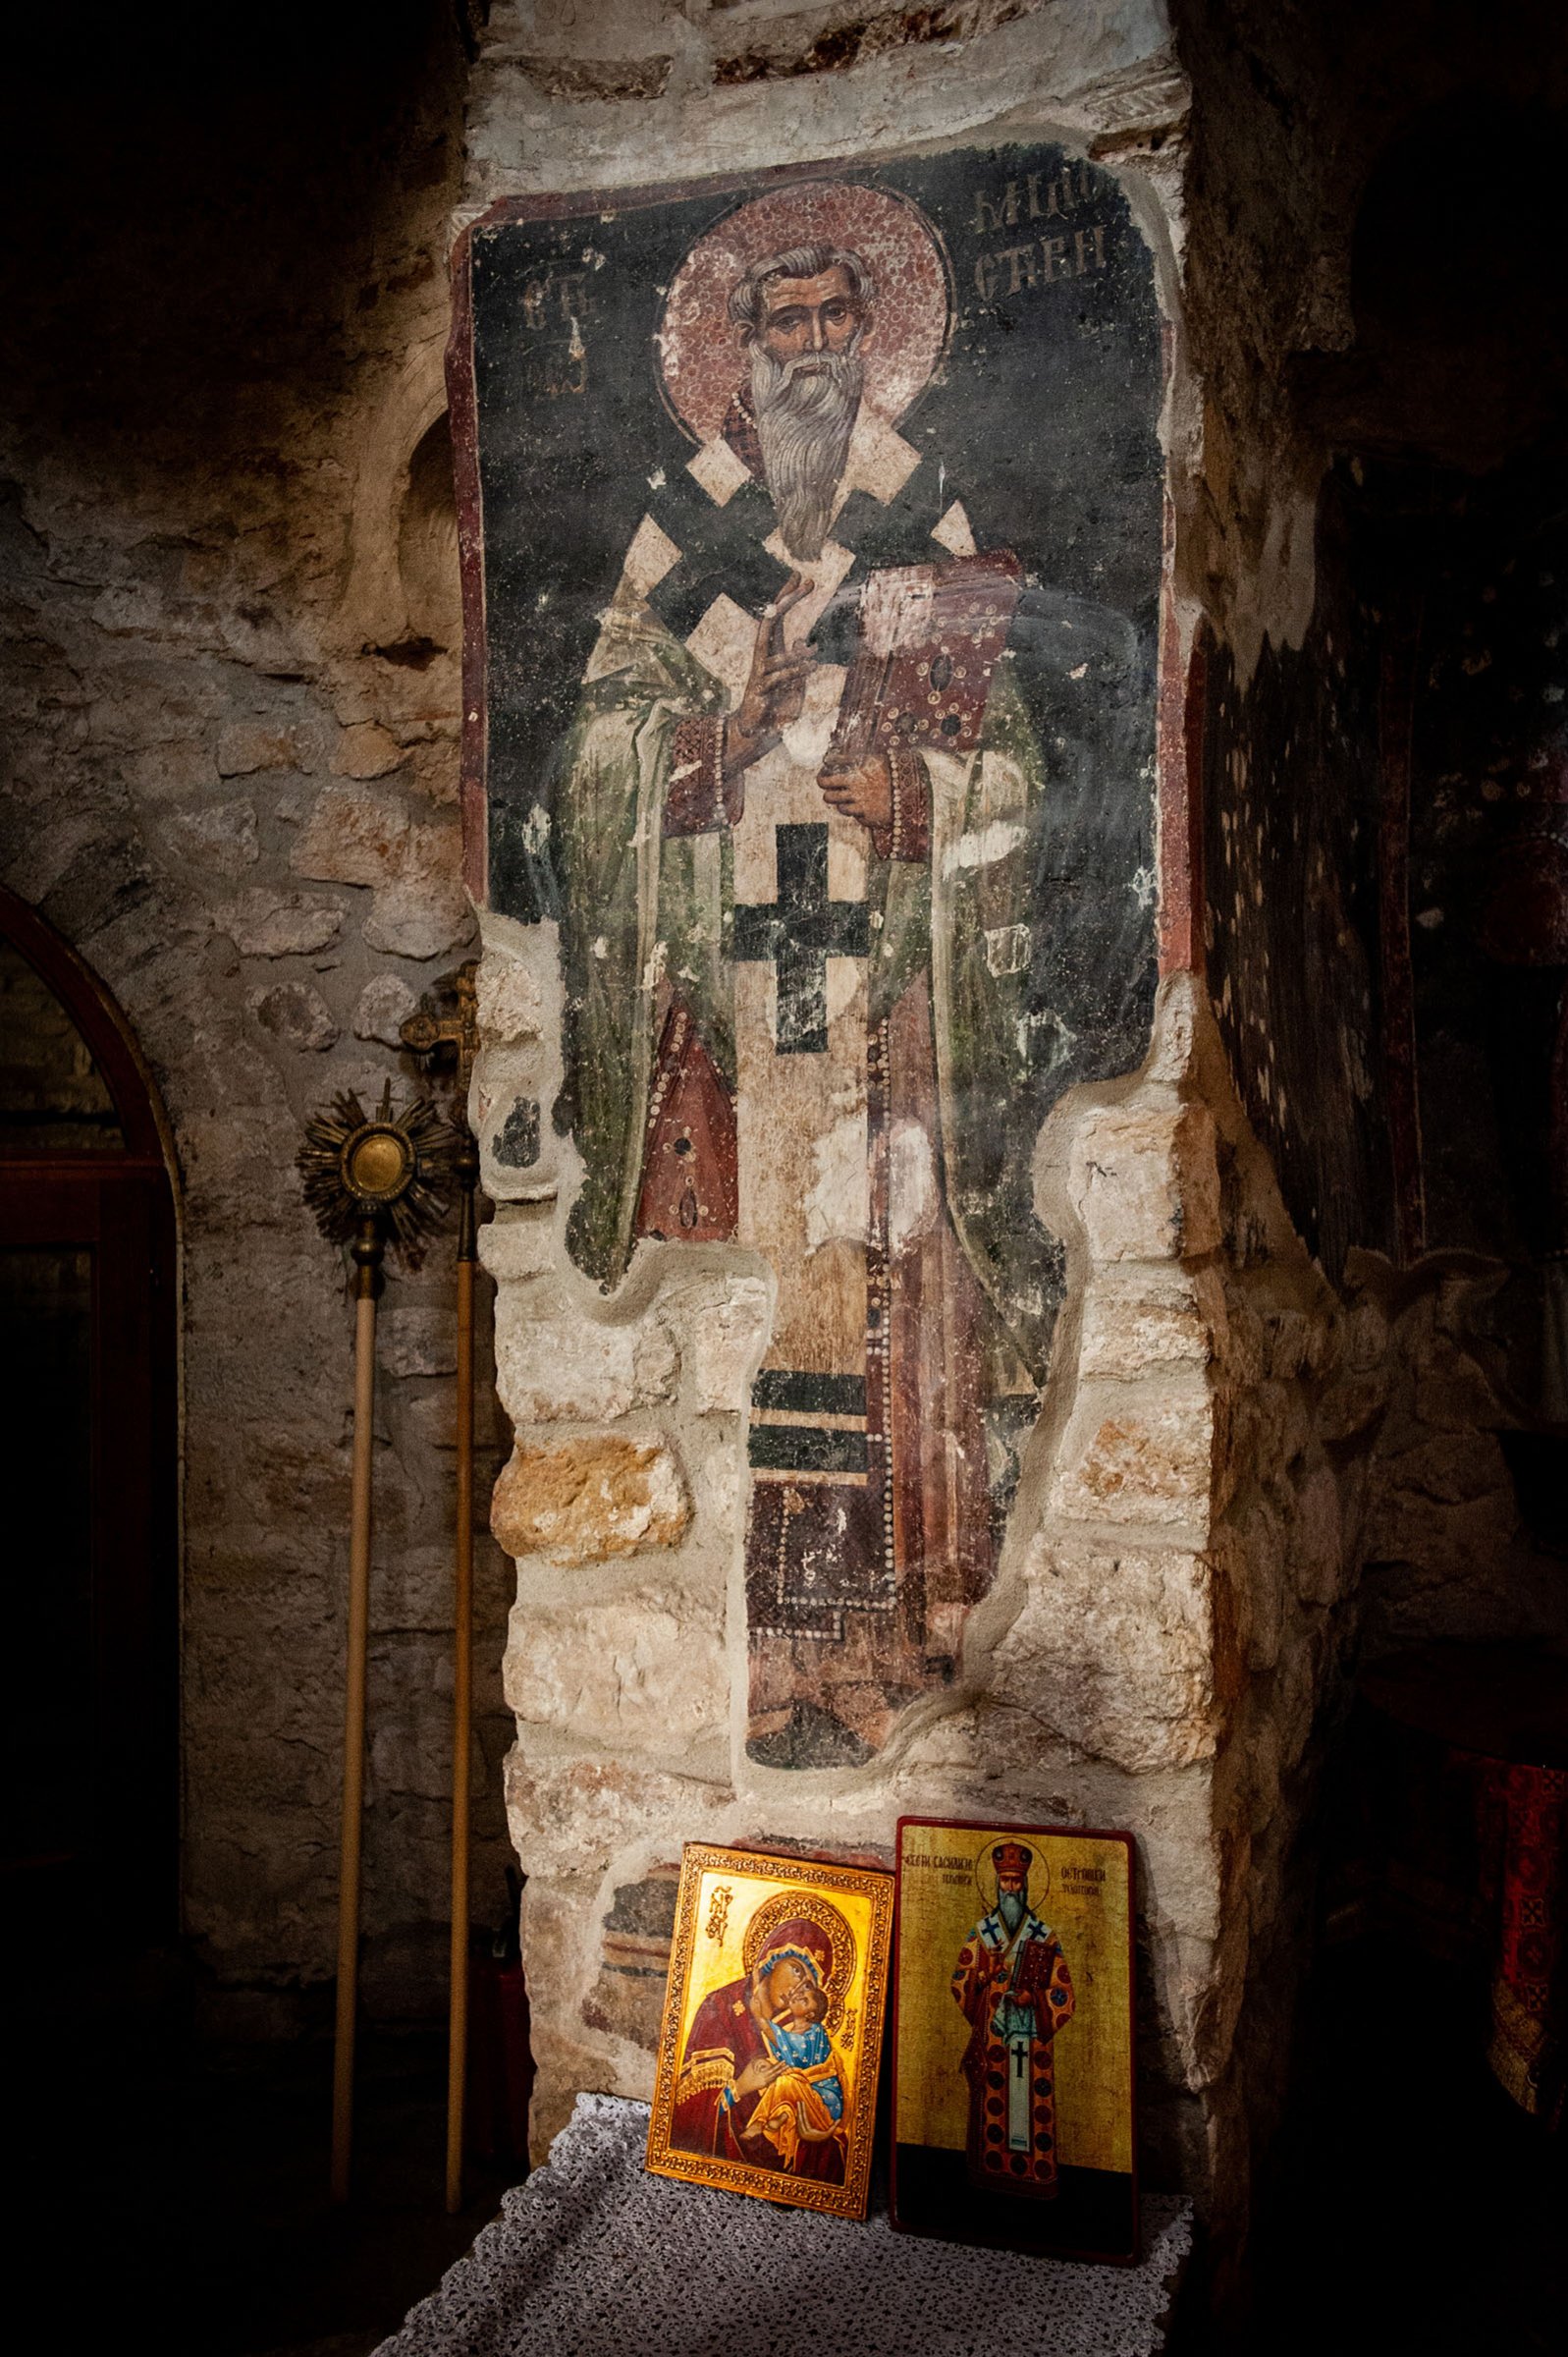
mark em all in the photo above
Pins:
pixel 1522 1856
pixel 1464 1792
pixel 500 2065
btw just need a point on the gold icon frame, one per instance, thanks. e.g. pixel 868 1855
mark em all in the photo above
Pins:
pixel 729 1904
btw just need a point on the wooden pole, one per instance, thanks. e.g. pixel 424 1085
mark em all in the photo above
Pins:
pixel 467 1173
pixel 368 1252
pixel 365 1178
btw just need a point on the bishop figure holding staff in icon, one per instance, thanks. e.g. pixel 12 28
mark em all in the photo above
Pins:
pixel 1013 1988
pixel 797 816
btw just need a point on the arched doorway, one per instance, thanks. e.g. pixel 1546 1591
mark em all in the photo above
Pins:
pixel 89 1438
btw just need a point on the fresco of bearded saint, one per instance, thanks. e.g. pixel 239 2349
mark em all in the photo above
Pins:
pixel 797 813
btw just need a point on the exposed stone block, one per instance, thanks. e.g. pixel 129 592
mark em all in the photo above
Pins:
pixel 1298 1686
pixel 1366 1337
pixel 167 773
pixel 803 44
pixel 1289 1338
pixel 517 1244
pixel 406 1734
pixel 1246 1352
pixel 298 1015
pixel 366 750
pixel 578 1370
pixel 560 1951
pixel 1352 1404
pixel 1447 1506
pixel 571 1816
pixel 602 77
pixel 433 853
pixel 643 1671
pixel 414 1589
pixel 269 923
pixel 1144 1182
pixel 1266 1428
pixel 511 1002
pixel 1146 1463
pixel 726 1339
pixel 412 1338
pixel 1114 1653
pixel 1316 1539
pixel 1451 1392
pixel 384 1005
pixel 1255 1560
pixel 1132 1329
pixel 353 835
pixel 586 1501
pixel 419 920
pixel 248 745
pixel 221 838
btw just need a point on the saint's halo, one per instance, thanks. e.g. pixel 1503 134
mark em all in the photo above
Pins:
pixel 700 365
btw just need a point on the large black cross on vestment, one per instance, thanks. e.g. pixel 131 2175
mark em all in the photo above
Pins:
pixel 799 932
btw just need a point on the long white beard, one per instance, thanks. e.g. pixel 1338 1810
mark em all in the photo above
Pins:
pixel 805 411
pixel 1013 1907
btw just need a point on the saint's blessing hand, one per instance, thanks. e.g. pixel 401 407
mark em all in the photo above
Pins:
pixel 774 692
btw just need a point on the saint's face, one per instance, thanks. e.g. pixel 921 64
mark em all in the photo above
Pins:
pixel 804 315
pixel 775 1989
pixel 1014 1882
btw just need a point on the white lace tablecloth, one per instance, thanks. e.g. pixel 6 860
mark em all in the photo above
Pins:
pixel 593 2258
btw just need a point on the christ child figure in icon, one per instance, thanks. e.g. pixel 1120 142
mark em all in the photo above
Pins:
pixel 807 2098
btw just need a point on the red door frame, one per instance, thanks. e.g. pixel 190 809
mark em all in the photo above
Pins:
pixel 120 1205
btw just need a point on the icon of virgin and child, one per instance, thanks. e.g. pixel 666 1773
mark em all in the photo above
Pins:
pixel 765 2077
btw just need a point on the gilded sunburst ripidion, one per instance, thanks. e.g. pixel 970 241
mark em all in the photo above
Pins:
pixel 394 1167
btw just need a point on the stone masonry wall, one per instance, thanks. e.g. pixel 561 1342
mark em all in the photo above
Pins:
pixel 228 638
pixel 1367 1503
pixel 1322 330
pixel 1093 1689
pixel 1103 1680
pixel 1226 1441
pixel 228 634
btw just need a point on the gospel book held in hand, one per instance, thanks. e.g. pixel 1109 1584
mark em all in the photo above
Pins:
pixel 930 640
